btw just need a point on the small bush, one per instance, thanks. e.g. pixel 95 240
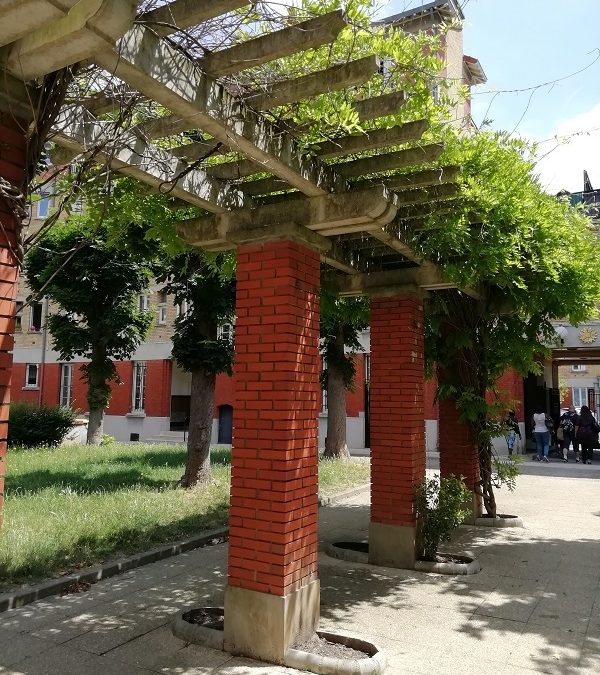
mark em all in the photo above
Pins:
pixel 442 505
pixel 30 426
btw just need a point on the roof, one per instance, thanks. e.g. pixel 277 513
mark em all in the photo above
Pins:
pixel 472 64
pixel 448 9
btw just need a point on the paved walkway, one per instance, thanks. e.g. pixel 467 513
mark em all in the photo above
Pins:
pixel 535 607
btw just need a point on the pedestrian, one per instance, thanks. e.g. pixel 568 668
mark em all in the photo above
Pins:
pixel 568 422
pixel 541 433
pixel 513 431
pixel 586 432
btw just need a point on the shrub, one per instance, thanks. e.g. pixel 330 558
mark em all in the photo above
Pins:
pixel 32 426
pixel 442 505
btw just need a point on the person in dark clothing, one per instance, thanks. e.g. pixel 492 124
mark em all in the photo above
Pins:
pixel 568 422
pixel 586 432
pixel 513 431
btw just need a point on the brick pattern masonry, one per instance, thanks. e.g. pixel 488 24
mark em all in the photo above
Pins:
pixel 12 166
pixel 458 450
pixel 273 518
pixel 397 414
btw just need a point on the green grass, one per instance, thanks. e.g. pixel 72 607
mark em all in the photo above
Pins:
pixel 71 507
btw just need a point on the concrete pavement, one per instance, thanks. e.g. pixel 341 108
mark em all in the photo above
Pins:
pixel 534 608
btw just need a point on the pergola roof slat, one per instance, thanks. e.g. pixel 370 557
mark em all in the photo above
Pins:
pixel 159 71
pixel 390 161
pixel 299 37
pixel 415 179
pixel 380 106
pixel 331 79
pixel 186 13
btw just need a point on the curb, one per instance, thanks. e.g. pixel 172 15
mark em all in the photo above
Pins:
pixel 25 596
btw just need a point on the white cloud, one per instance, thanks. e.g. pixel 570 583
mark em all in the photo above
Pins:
pixel 574 146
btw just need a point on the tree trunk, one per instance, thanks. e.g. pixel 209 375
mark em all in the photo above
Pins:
pixel 335 442
pixel 197 468
pixel 95 429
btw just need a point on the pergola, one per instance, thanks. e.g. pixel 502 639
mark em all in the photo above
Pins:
pixel 335 211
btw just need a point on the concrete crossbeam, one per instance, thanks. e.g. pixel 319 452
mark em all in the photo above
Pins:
pixel 161 72
pixel 182 14
pixel 331 79
pixel 18 98
pixel 77 130
pixel 90 26
pixel 348 211
pixel 300 37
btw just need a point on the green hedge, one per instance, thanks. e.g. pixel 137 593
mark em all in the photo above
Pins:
pixel 32 426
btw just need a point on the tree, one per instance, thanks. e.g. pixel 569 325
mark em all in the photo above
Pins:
pixel 96 289
pixel 204 289
pixel 341 321
pixel 531 257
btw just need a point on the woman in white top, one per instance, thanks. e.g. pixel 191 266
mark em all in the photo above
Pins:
pixel 541 435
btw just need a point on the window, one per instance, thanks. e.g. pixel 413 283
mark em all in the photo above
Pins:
pixel 579 396
pixel 181 309
pixel 139 386
pixel 46 201
pixel 35 317
pixel 66 384
pixel 18 315
pixel 31 375
pixel 143 303
pixel 580 368
pixel 225 332
pixel 162 308
pixel 324 397
pixel 367 368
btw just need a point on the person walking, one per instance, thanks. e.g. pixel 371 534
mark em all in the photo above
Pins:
pixel 513 431
pixel 568 422
pixel 586 432
pixel 541 433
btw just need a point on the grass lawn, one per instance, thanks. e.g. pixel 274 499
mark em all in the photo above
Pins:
pixel 75 506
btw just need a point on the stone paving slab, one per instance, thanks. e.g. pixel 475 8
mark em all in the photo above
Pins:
pixel 534 608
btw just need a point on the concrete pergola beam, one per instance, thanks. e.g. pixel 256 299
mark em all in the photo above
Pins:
pixel 78 131
pixel 20 17
pixel 331 79
pixel 164 74
pixel 351 211
pixel 18 98
pixel 427 277
pixel 344 145
pixel 88 27
pixel 183 14
pixel 297 38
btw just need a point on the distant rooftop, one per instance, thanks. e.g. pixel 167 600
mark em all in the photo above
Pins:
pixel 447 9
pixel 478 75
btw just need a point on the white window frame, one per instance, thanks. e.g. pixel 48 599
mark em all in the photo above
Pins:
pixel 138 388
pixel 579 396
pixel 143 302
pixel 579 368
pixel 66 385
pixel 181 308
pixel 161 319
pixel 36 383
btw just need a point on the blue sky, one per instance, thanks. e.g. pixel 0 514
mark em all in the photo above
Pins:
pixel 524 43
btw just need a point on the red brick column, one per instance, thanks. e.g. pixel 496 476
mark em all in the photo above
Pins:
pixel 12 169
pixel 273 519
pixel 458 449
pixel 397 427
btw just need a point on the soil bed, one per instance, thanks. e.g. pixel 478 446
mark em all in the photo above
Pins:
pixel 498 515
pixel 335 650
pixel 451 558
pixel 214 619
pixel 360 546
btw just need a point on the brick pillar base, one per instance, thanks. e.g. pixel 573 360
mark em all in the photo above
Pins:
pixel 272 598
pixel 397 428
pixel 12 169
pixel 458 450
